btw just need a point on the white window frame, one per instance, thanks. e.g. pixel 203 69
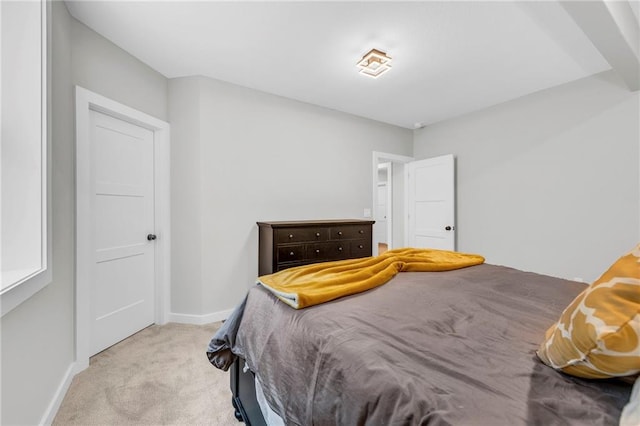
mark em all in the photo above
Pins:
pixel 25 286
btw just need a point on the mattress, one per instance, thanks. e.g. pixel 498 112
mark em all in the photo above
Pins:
pixel 454 347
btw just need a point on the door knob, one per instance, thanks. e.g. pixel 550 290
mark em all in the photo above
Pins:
pixel 151 237
pixel 447 228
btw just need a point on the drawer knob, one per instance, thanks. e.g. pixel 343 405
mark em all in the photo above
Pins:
pixel 290 235
pixel 340 233
pixel 360 246
pixel 291 253
pixel 317 234
pixel 317 250
pixel 361 231
pixel 339 248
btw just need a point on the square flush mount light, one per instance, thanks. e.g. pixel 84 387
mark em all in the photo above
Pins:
pixel 374 63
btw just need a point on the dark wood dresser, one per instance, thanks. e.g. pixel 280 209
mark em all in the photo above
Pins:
pixel 283 245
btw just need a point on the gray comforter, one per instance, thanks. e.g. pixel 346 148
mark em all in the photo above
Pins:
pixel 437 348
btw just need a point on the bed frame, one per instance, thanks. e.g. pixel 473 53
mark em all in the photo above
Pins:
pixel 244 398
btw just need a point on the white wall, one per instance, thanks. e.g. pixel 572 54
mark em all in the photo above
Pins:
pixel 38 336
pixel 258 157
pixel 548 182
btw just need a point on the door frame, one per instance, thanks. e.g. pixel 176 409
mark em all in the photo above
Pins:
pixel 388 166
pixel 87 101
pixel 385 157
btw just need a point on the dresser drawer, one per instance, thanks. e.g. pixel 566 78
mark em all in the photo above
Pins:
pixel 298 235
pixel 334 250
pixel 360 248
pixel 291 253
pixel 350 232
pixel 339 250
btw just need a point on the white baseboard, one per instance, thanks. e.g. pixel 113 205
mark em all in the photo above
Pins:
pixel 54 405
pixel 199 319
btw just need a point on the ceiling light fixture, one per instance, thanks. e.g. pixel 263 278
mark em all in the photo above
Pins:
pixel 374 63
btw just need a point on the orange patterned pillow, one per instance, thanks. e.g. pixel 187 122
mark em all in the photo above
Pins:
pixel 598 334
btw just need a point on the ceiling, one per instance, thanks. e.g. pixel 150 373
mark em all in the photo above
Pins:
pixel 449 58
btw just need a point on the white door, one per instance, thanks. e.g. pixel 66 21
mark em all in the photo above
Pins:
pixel 122 294
pixel 431 203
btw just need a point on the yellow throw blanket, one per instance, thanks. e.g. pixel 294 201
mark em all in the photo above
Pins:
pixel 317 283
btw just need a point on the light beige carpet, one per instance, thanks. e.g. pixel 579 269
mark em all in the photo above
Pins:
pixel 159 376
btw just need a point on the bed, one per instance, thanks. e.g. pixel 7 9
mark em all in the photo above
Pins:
pixel 455 347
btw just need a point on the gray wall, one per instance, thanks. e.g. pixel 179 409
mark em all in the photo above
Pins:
pixel 548 182
pixel 38 336
pixel 257 157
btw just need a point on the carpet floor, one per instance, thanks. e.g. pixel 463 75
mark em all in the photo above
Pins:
pixel 159 376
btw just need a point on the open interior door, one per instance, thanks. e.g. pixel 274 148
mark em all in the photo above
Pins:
pixel 431 203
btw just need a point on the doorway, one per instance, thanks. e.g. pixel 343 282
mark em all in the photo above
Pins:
pixel 389 230
pixel 413 202
pixel 105 174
